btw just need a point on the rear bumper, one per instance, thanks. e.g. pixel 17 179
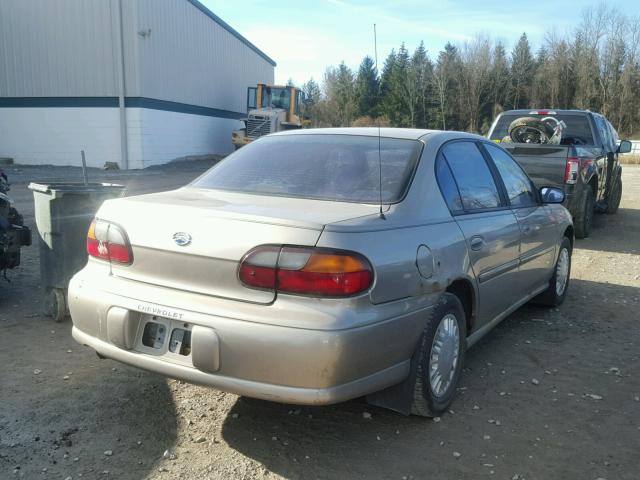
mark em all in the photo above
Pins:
pixel 265 391
pixel 261 360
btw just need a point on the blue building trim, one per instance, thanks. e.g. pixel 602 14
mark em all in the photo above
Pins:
pixel 231 30
pixel 70 102
pixel 131 102
pixel 167 106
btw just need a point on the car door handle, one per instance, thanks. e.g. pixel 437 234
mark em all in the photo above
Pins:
pixel 476 243
pixel 526 230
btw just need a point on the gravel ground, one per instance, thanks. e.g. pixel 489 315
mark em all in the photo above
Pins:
pixel 549 394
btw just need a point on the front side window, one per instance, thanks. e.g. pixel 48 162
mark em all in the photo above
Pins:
pixel 342 168
pixel 274 97
pixel 518 185
pixel 477 188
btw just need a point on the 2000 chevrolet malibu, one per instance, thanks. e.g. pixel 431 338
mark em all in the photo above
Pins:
pixel 316 266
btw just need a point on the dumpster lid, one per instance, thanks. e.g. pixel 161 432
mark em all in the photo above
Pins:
pixel 60 188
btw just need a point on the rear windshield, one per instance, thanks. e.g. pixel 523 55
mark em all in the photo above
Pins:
pixel 326 167
pixel 578 131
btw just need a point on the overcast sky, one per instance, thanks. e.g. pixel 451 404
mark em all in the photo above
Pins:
pixel 304 37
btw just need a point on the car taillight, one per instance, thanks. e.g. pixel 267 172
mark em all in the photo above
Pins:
pixel 306 271
pixel 108 242
pixel 571 170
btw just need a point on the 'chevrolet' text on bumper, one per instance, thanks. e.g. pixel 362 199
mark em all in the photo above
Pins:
pixel 160 312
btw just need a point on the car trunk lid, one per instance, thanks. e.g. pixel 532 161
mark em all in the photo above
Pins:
pixel 194 239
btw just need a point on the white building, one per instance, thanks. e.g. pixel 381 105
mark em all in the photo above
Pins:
pixel 137 82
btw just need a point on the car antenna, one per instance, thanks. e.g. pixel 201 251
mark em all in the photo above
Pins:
pixel 375 50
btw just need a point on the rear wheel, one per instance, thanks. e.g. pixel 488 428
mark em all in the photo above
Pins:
pixel 555 294
pixel 584 217
pixel 615 196
pixel 440 354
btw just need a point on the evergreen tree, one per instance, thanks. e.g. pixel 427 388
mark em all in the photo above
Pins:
pixel 311 91
pixel 367 89
pixel 522 71
pixel 423 75
pixel 312 106
pixel 447 87
pixel 388 104
pixel 500 78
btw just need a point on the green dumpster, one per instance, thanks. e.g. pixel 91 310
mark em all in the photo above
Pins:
pixel 63 214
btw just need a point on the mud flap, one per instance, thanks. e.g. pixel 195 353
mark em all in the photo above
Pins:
pixel 399 397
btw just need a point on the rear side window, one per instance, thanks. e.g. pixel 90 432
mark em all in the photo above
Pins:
pixel 578 131
pixel 477 188
pixel 518 185
pixel 448 185
pixel 343 168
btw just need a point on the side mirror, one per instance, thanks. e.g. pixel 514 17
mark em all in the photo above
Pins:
pixel 625 146
pixel 551 195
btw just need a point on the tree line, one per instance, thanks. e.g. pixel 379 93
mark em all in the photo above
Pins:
pixel 596 67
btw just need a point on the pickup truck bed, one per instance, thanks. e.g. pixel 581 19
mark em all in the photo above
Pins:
pixel 585 165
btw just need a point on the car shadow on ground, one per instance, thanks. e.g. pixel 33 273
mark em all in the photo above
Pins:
pixel 66 413
pixel 76 406
pixel 534 342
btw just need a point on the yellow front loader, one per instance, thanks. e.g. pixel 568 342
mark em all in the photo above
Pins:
pixel 270 109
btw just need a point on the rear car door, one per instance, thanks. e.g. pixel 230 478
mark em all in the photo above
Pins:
pixel 490 228
pixel 538 237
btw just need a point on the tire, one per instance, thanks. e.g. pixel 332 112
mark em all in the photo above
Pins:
pixel 584 216
pixel 427 400
pixel 614 198
pixel 536 128
pixel 555 294
pixel 55 304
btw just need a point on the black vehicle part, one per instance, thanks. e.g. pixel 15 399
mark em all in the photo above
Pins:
pixel 613 202
pixel 13 233
pixel 583 218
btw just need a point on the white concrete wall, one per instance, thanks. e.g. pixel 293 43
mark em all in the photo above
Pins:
pixel 41 136
pixel 163 136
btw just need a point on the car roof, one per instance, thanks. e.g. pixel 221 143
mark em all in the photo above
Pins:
pixel 403 133
pixel 527 111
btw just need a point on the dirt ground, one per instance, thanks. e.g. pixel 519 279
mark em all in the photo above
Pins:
pixel 549 394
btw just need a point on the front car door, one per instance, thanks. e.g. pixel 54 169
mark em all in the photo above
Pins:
pixel 487 223
pixel 538 233
pixel 604 161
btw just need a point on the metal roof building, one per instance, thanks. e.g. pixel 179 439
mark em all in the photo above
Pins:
pixel 137 82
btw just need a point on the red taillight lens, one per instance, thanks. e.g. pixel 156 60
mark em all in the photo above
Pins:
pixel 258 267
pixel 109 242
pixel 306 271
pixel 571 170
